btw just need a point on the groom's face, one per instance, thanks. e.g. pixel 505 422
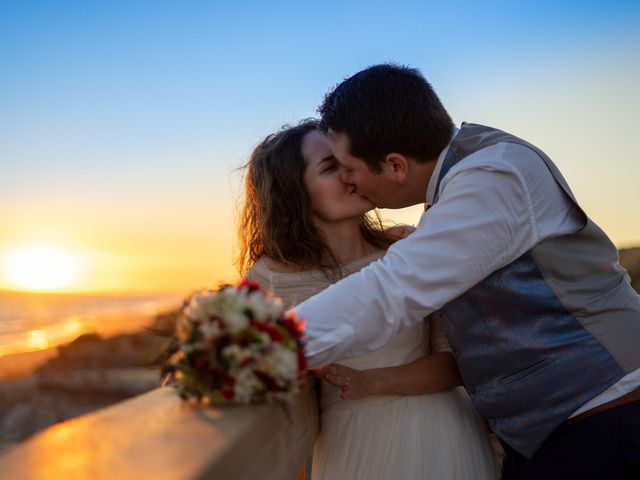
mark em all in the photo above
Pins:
pixel 354 171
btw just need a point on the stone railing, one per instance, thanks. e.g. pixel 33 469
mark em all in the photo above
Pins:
pixel 159 436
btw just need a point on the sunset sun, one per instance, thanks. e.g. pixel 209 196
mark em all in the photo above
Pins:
pixel 41 268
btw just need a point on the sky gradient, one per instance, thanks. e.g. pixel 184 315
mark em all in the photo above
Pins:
pixel 122 124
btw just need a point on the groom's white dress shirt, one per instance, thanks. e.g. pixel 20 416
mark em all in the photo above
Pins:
pixel 490 212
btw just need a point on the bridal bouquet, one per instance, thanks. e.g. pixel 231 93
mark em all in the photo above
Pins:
pixel 237 345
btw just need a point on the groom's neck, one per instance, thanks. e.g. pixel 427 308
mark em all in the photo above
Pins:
pixel 418 181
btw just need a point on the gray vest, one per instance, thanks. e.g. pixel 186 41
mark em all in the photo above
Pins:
pixel 540 337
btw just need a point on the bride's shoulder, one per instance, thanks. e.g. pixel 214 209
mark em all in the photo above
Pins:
pixel 277 266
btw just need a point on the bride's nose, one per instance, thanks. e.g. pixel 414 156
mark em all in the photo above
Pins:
pixel 345 177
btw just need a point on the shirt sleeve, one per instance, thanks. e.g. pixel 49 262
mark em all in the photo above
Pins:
pixel 482 221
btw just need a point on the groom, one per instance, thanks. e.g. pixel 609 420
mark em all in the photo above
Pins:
pixel 541 318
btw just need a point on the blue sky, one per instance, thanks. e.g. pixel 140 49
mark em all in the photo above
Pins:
pixel 131 116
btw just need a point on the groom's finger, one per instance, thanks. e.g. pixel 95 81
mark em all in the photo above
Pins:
pixel 332 370
pixel 336 380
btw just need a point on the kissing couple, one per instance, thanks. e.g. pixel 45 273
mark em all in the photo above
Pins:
pixel 497 338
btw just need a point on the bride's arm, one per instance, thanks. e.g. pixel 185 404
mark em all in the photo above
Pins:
pixel 433 373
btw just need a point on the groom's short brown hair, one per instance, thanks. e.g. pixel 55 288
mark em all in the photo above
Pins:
pixel 388 108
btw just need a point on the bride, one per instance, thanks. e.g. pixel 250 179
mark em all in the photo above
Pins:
pixel 394 413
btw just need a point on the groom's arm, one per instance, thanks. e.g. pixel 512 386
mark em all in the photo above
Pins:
pixel 452 249
pixel 484 220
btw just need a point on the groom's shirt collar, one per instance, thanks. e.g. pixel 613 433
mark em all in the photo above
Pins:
pixel 433 181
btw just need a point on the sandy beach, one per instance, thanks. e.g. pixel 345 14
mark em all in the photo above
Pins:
pixel 39 389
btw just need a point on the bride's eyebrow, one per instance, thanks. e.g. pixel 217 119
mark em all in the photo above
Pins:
pixel 328 158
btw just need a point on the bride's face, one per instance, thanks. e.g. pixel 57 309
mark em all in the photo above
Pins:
pixel 331 199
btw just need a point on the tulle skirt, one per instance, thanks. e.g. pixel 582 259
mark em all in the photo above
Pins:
pixel 438 436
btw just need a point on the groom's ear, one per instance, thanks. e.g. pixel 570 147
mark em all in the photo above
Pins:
pixel 396 167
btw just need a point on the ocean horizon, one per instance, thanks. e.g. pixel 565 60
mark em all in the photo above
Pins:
pixel 38 321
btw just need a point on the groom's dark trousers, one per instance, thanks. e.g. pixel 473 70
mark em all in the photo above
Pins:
pixel 604 446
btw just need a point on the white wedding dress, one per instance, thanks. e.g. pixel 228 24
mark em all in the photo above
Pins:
pixel 437 436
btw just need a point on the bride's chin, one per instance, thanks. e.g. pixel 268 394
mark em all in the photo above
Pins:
pixel 363 200
pixel 368 208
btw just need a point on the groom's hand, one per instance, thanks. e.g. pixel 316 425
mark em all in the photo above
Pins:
pixel 398 232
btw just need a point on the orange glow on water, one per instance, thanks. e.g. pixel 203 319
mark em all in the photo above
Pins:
pixel 37 340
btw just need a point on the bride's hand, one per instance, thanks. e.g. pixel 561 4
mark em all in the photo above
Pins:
pixel 355 384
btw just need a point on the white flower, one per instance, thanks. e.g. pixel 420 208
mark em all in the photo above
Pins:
pixel 228 301
pixel 259 306
pixel 235 321
pixel 192 312
pixel 200 306
pixel 209 330
pixel 235 353
pixel 280 363
pixel 246 384
pixel 276 307
pixel 231 298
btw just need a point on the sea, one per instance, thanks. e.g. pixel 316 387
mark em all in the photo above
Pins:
pixel 38 321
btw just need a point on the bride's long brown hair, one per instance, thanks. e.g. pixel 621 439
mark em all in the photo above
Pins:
pixel 274 216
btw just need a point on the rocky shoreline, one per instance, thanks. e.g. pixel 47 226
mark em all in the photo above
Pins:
pixel 89 373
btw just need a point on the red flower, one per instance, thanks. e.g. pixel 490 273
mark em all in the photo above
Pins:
pixel 302 361
pixel 273 332
pixel 269 382
pixel 252 286
pixel 226 393
pixel 294 325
